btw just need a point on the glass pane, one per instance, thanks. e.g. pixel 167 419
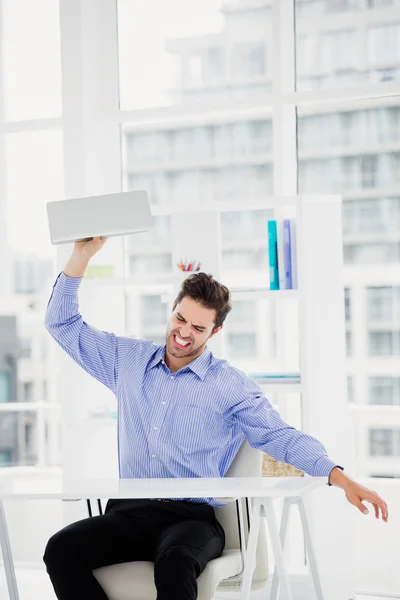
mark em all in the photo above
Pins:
pixel 354 150
pixel 176 52
pixel 244 241
pixel 206 163
pixel 31 59
pixel 383 304
pixel 154 311
pixel 384 390
pixel 33 177
pixel 335 52
pixel 18 438
pixel 4 387
pixel 242 345
pixel 384 343
pixel 384 442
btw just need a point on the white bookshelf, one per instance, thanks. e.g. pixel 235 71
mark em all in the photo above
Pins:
pixel 319 302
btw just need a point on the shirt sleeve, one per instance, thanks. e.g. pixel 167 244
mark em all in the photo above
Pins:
pixel 266 431
pixel 99 353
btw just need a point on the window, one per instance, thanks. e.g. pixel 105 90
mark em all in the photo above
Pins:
pixel 25 348
pixel 383 303
pixel 384 343
pixel 371 220
pixel 4 386
pixel 194 70
pixel 349 343
pixel 154 311
pixel 38 156
pixel 365 253
pixel 28 391
pixel 350 389
pixel 235 260
pixel 384 442
pixel 5 457
pixel 150 264
pixel 248 60
pixel 371 216
pixel 31 61
pixel 314 8
pixel 347 304
pixel 158 68
pixel 327 59
pixel 383 45
pixel 368 169
pixel 14 449
pixel 242 345
pixel 243 312
pixel 336 51
pixel 212 66
pixel 384 390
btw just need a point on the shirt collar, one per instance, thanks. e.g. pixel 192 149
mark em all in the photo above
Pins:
pixel 199 365
pixel 157 357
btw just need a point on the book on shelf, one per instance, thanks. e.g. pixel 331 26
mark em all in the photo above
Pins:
pixel 282 256
pixel 273 255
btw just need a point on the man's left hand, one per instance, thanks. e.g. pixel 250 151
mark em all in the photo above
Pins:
pixel 356 494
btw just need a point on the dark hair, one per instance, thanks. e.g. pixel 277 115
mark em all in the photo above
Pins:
pixel 203 288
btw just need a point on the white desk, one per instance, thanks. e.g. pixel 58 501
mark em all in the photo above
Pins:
pixel 263 489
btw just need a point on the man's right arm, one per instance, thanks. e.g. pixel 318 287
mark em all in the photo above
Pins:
pixel 99 353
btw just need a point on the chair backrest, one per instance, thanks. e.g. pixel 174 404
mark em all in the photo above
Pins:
pixel 247 463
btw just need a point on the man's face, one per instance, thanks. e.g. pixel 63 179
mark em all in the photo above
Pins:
pixel 189 329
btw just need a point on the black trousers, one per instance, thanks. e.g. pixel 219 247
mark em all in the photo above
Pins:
pixel 180 537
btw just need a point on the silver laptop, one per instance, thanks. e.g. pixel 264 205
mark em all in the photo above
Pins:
pixel 109 215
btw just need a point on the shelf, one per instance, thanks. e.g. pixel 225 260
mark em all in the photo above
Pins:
pixel 169 279
pixel 133 281
pixel 282 388
pixel 258 293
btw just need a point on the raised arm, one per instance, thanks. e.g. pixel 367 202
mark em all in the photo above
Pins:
pixel 99 353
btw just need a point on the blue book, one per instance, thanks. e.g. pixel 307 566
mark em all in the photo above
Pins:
pixel 273 255
pixel 287 259
pixel 293 253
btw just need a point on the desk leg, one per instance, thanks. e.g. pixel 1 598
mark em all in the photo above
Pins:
pixel 249 553
pixel 7 556
pixel 269 513
pixel 310 550
pixel 284 521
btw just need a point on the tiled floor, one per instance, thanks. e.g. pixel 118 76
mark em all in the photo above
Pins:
pixel 34 584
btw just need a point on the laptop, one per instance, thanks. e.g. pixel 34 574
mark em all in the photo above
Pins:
pixel 81 219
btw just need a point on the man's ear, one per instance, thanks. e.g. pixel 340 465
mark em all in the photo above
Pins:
pixel 216 330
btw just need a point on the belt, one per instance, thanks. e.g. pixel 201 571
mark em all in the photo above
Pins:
pixel 160 499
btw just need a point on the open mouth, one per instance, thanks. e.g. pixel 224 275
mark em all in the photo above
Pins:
pixel 179 342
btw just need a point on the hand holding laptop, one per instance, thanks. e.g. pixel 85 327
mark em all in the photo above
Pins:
pixel 86 249
pixel 82 253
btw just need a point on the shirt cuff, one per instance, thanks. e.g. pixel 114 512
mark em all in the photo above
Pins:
pixel 324 466
pixel 67 285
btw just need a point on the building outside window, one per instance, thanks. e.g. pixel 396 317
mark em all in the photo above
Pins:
pixel 4 386
pixel 384 390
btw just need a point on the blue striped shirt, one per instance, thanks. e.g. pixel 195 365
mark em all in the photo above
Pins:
pixel 190 423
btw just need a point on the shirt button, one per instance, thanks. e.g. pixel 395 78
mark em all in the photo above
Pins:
pixel 153 456
pixel 163 362
pixel 163 402
pixel 155 427
pixel 172 377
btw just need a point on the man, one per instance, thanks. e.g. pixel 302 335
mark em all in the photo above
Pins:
pixel 182 413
